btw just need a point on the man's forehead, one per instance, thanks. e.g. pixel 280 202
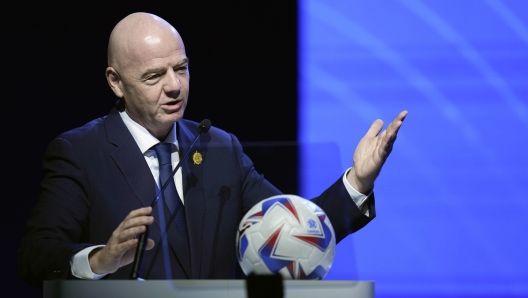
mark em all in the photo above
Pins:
pixel 157 54
pixel 153 49
pixel 140 37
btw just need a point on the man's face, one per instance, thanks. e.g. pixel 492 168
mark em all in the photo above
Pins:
pixel 155 82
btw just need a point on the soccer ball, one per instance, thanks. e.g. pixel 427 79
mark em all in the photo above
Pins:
pixel 286 234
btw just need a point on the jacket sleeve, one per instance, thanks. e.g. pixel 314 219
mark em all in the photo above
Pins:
pixel 58 220
pixel 344 214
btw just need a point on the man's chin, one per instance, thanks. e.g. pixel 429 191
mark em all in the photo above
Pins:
pixel 173 117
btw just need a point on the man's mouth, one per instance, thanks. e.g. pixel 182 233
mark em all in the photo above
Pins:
pixel 172 106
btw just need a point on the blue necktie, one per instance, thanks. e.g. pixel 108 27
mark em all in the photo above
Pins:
pixel 170 195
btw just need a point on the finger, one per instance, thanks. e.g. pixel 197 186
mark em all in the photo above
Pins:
pixel 137 221
pixel 389 137
pixel 130 228
pixel 123 247
pixel 133 214
pixel 118 249
pixel 375 128
pixel 139 212
pixel 383 141
pixel 395 125
pixel 133 230
pixel 131 233
pixel 391 133
pixel 401 116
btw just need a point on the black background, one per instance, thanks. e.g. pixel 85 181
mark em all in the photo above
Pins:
pixel 243 66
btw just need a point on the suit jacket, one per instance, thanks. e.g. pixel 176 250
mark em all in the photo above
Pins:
pixel 96 174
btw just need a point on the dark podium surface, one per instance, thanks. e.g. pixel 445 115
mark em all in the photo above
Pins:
pixel 200 288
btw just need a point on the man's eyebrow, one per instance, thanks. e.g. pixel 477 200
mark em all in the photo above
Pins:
pixel 184 61
pixel 152 70
pixel 161 69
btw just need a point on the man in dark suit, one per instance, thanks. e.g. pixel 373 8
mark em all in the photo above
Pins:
pixel 99 178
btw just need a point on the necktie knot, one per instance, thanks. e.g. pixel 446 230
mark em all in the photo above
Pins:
pixel 163 152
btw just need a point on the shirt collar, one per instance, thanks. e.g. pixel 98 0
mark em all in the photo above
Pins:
pixel 143 137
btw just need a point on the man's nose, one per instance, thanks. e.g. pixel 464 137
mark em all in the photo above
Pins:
pixel 173 84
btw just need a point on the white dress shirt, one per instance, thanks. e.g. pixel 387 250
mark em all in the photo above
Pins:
pixel 80 264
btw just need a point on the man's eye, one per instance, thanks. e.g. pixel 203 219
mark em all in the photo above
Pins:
pixel 182 69
pixel 152 77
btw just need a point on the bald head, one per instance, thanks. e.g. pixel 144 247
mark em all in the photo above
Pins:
pixel 135 36
pixel 148 70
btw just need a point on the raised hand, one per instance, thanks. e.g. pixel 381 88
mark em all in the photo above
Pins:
pixel 120 248
pixel 372 152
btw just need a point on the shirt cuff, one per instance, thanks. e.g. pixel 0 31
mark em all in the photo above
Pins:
pixel 358 198
pixel 80 265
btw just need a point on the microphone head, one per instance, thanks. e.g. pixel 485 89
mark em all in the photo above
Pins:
pixel 204 126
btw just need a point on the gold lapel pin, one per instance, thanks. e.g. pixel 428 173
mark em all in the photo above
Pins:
pixel 197 158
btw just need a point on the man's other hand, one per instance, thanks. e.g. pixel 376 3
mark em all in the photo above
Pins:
pixel 120 248
pixel 372 152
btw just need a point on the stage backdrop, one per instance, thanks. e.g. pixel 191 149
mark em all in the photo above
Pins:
pixel 452 199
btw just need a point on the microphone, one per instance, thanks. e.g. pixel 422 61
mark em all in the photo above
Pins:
pixel 204 127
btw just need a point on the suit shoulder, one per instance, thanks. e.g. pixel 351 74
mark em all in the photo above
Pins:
pixel 85 133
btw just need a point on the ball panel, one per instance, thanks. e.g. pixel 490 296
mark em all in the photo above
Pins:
pixel 288 235
pixel 292 248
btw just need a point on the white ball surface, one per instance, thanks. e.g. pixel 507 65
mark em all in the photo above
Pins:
pixel 286 234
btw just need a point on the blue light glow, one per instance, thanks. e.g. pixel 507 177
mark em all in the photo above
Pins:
pixel 452 199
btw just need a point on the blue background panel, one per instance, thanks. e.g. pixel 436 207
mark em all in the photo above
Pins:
pixel 452 199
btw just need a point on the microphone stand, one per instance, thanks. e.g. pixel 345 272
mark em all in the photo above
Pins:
pixel 143 238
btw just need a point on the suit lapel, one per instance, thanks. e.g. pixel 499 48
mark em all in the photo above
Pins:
pixel 129 159
pixel 193 191
pixel 135 170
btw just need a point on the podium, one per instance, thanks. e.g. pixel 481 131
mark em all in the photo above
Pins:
pixel 200 288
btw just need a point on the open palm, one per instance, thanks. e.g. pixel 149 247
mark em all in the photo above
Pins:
pixel 372 151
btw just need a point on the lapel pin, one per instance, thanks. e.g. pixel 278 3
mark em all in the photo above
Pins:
pixel 197 158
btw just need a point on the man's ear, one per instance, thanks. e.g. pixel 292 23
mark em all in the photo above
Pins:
pixel 114 80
